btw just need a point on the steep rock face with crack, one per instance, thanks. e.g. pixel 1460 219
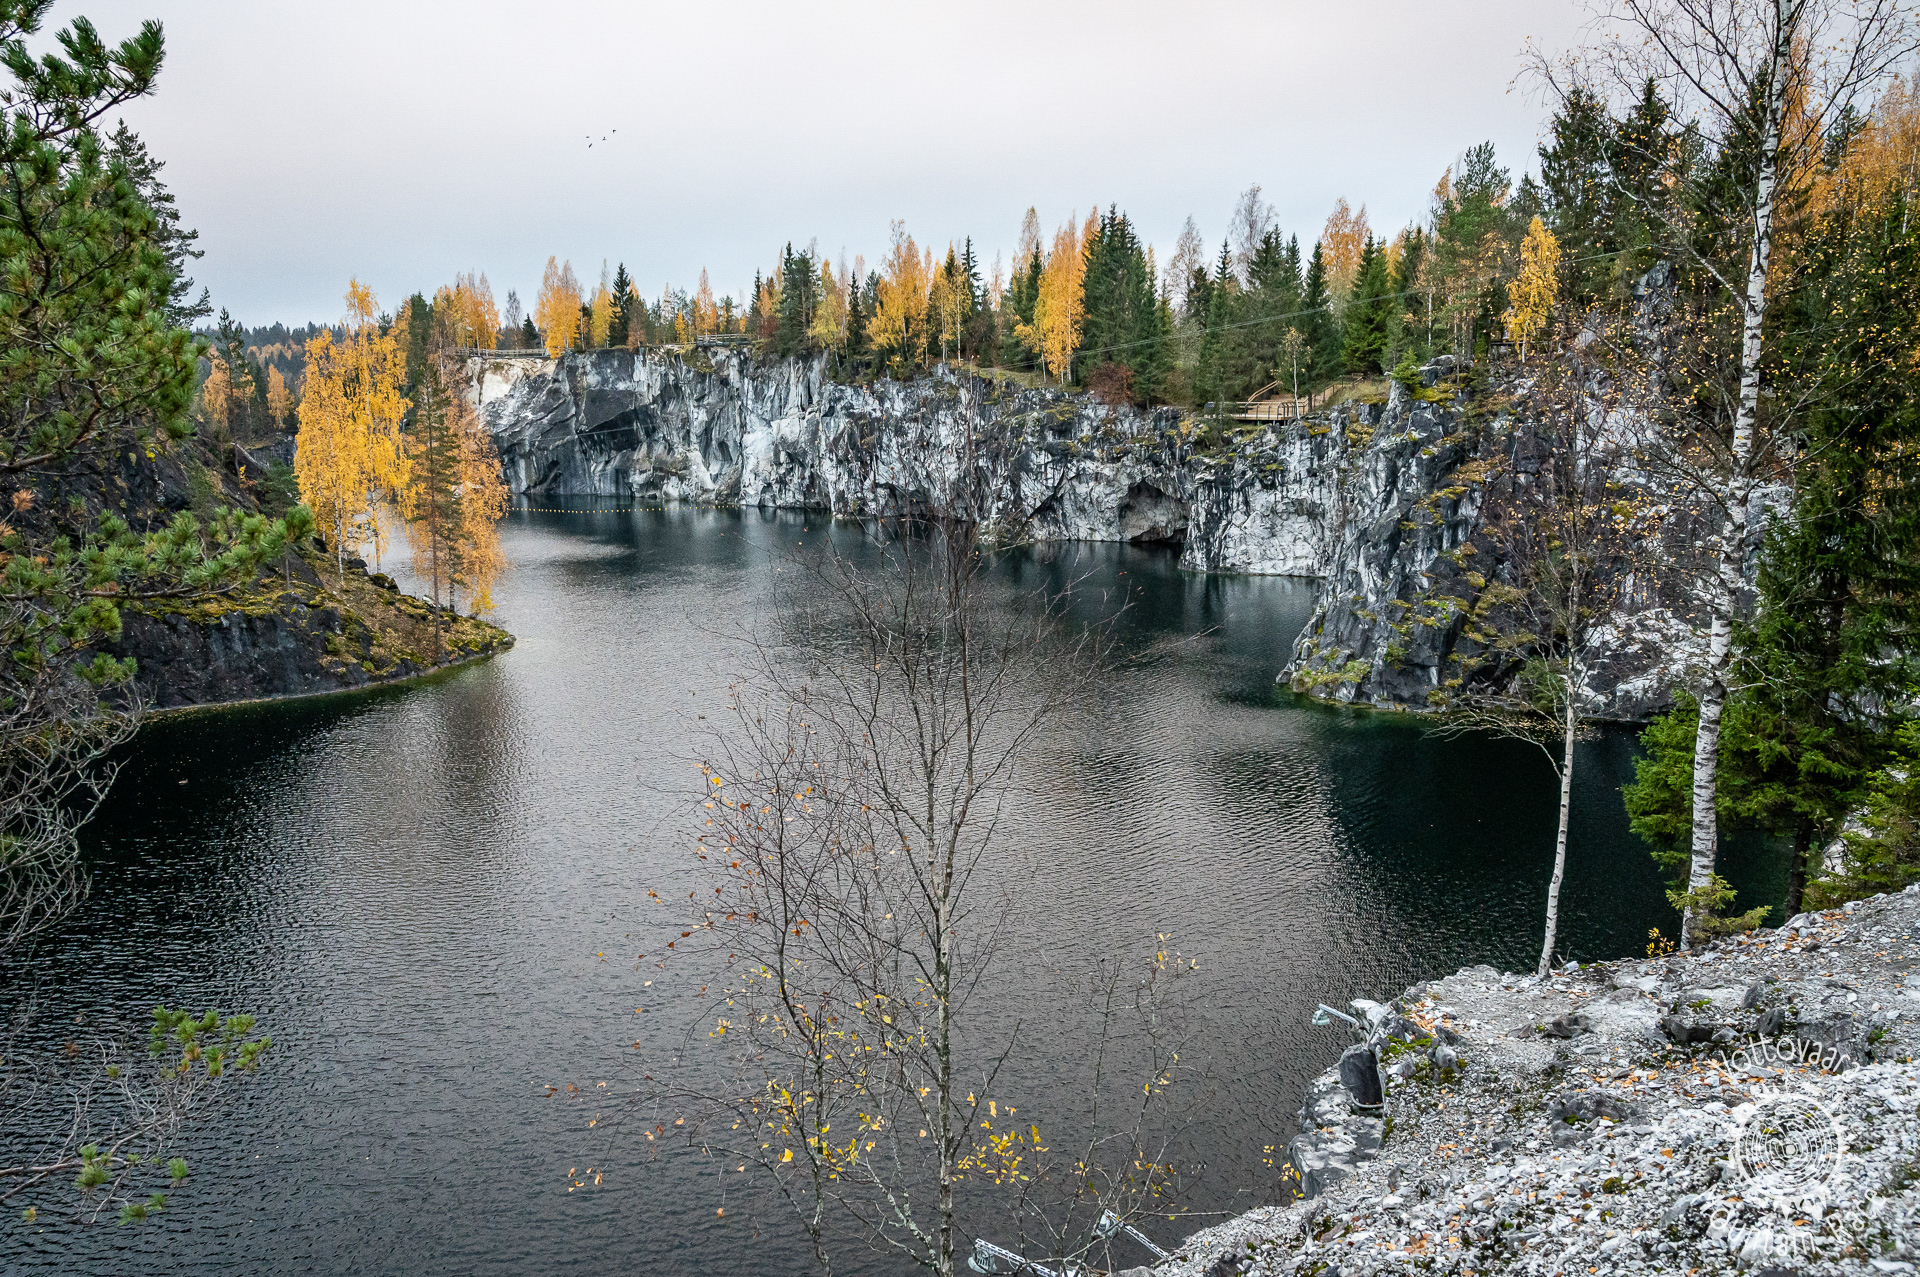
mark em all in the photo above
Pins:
pixel 1382 501
pixel 723 428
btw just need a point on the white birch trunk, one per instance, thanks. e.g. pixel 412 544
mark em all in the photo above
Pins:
pixel 1730 570
pixel 1560 843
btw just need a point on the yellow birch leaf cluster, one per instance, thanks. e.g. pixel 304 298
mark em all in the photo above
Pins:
pixel 349 456
pixel 769 300
pixel 465 314
pixel 1882 159
pixel 947 303
pixel 1059 311
pixel 279 398
pixel 556 310
pixel 1531 294
pixel 216 392
pixel 455 494
pixel 829 328
pixel 1341 242
pixel 706 312
pixel 483 502
pixel 900 312
pixel 636 330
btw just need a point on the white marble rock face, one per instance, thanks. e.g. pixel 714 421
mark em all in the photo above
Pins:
pixel 1363 497
pixel 776 434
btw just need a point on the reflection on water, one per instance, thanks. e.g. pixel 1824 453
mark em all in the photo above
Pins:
pixel 413 889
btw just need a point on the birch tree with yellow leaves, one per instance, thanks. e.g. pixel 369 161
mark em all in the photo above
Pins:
pixel 478 560
pixel 279 399
pixel 1342 240
pixel 557 308
pixel 829 328
pixel 1531 295
pixel 349 455
pixel 706 313
pixel 464 314
pixel 1059 312
pixel 600 313
pixel 216 392
pixel 899 326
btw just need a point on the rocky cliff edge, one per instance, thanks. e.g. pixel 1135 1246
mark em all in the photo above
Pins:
pixel 1752 1107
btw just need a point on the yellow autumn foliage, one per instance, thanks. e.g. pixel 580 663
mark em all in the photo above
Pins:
pixel 899 325
pixel 1059 311
pixel 556 310
pixel 1531 294
pixel 349 457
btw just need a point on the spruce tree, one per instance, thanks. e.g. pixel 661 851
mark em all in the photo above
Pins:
pixel 175 242
pixel 1023 291
pixel 1413 335
pixel 621 326
pixel 799 293
pixel 1320 360
pixel 230 341
pixel 1369 316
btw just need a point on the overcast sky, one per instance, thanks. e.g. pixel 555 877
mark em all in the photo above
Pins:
pixel 402 140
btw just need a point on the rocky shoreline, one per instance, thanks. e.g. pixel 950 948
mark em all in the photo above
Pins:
pixel 304 631
pixel 1751 1106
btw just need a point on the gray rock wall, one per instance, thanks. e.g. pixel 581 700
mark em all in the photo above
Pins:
pixel 725 429
pixel 1379 501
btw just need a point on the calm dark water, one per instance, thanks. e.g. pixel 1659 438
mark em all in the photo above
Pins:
pixel 432 897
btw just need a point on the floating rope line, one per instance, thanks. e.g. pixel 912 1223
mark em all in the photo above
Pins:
pixel 633 509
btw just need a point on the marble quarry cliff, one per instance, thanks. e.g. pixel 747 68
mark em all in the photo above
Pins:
pixel 1374 499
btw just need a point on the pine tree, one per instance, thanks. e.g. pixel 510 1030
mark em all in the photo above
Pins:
pixel 175 242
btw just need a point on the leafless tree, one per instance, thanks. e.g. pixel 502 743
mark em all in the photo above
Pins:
pixel 853 816
pixel 1756 86
pixel 1252 219
pixel 1189 255
pixel 856 801
pixel 57 733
